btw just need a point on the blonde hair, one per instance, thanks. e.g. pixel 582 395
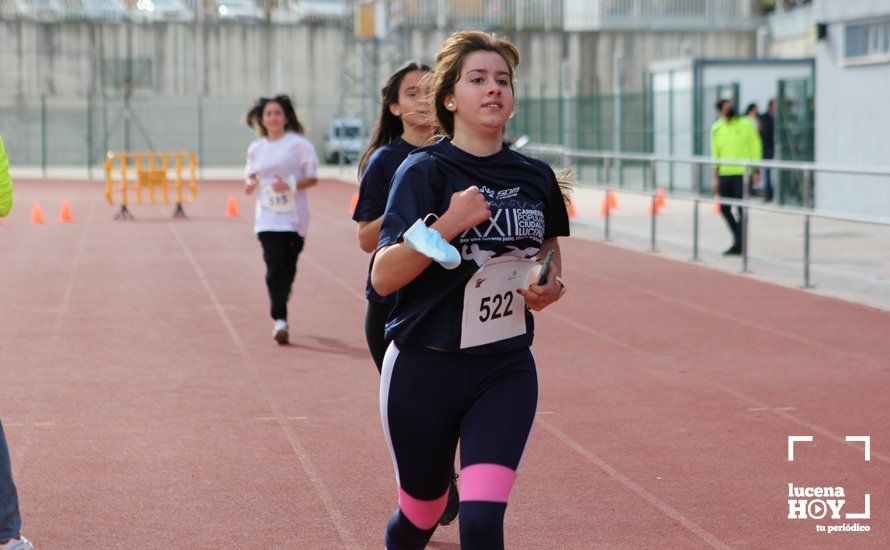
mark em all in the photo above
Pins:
pixel 448 65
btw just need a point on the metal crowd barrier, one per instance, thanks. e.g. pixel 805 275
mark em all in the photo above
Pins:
pixel 610 159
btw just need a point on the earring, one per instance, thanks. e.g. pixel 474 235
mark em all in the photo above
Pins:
pixel 450 105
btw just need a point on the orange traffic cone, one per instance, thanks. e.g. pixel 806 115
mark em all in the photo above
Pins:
pixel 36 213
pixel 610 202
pixel 232 207
pixel 657 202
pixel 571 208
pixel 65 213
pixel 659 198
pixel 353 203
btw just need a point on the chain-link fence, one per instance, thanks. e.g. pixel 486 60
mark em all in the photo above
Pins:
pixel 55 133
pixel 677 123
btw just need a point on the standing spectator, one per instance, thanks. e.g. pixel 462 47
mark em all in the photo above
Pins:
pixel 768 139
pixel 5 182
pixel 10 520
pixel 753 117
pixel 732 137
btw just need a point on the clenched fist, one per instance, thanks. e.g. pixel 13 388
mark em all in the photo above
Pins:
pixel 468 208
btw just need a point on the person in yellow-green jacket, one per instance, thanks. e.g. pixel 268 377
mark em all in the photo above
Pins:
pixel 733 137
pixel 5 182
pixel 10 520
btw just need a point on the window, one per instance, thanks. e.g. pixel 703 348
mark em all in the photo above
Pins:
pixel 867 42
pixel 116 73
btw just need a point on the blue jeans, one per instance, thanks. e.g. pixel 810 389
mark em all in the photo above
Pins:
pixel 10 520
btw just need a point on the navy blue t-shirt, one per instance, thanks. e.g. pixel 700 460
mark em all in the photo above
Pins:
pixel 374 190
pixel 527 208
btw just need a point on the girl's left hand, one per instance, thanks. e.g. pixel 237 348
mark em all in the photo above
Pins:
pixel 537 297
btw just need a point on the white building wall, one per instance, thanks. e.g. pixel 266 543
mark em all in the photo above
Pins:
pixel 852 114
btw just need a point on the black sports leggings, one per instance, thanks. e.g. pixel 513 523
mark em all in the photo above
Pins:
pixel 428 400
pixel 280 252
pixel 375 323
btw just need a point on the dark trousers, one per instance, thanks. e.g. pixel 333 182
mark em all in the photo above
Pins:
pixel 731 187
pixel 767 184
pixel 280 252
pixel 375 323
pixel 10 521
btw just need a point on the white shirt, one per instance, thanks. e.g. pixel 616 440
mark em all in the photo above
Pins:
pixel 289 155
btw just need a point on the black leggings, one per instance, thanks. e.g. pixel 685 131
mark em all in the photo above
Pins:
pixel 428 400
pixel 731 187
pixel 375 323
pixel 280 252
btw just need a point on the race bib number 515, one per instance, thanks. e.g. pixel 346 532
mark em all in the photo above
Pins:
pixel 278 202
pixel 493 310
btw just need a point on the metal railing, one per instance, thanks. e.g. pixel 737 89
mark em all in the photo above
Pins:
pixel 476 14
pixel 590 15
pixel 612 160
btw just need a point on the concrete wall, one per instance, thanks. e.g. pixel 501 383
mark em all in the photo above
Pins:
pixel 851 114
pixel 234 63
pixel 791 32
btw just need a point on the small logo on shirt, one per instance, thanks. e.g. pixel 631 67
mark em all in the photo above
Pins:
pixel 499 195
pixel 507 193
pixel 479 282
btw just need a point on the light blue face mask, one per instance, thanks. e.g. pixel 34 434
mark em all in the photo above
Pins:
pixel 430 243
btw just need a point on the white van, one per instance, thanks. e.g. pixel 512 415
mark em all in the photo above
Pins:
pixel 346 138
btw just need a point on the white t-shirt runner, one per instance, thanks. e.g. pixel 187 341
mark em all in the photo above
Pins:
pixel 290 157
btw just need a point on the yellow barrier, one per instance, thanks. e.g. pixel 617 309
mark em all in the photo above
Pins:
pixel 152 173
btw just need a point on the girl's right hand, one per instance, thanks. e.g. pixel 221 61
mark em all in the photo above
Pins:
pixel 468 209
pixel 250 184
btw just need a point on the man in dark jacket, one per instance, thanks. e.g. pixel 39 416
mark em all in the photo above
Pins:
pixel 768 139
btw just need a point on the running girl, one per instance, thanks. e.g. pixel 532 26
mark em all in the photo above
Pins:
pixel 281 165
pixel 460 367
pixel 403 126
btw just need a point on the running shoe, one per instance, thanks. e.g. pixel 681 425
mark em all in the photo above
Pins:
pixel 20 543
pixel 279 333
pixel 452 507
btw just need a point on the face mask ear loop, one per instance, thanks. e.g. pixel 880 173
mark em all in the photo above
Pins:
pixel 427 221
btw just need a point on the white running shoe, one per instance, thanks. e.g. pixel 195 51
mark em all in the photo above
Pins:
pixel 20 543
pixel 279 333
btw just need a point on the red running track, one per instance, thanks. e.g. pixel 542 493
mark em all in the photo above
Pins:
pixel 146 405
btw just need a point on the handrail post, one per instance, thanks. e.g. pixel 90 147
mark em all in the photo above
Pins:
pixel 608 215
pixel 743 219
pixel 695 230
pixel 607 167
pixel 653 208
pixel 805 192
pixel 806 251
pixel 607 162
